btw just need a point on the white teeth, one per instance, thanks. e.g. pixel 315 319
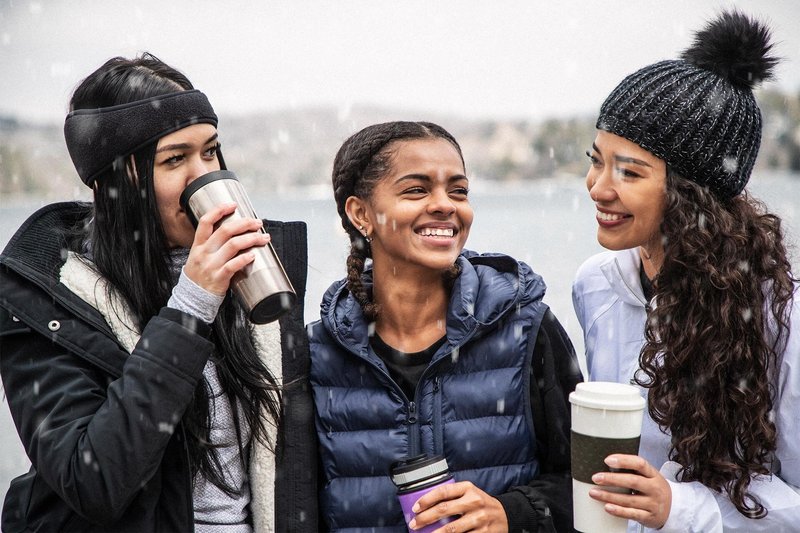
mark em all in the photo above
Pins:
pixel 436 232
pixel 608 217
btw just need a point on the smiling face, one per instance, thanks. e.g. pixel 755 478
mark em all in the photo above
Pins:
pixel 181 158
pixel 628 186
pixel 418 214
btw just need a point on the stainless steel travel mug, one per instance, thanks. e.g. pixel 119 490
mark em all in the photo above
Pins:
pixel 262 286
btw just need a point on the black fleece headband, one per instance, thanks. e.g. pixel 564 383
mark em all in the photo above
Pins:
pixel 97 137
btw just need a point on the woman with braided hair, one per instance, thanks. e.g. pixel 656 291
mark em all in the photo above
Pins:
pixel 695 301
pixel 426 348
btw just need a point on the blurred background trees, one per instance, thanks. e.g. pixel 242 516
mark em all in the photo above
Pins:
pixel 295 148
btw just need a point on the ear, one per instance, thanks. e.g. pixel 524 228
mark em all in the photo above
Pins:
pixel 357 212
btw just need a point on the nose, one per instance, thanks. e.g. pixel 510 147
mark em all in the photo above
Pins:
pixel 199 166
pixel 441 203
pixel 600 184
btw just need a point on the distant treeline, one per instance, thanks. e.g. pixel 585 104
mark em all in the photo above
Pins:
pixel 295 148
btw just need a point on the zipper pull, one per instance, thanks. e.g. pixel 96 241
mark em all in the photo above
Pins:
pixel 436 384
pixel 412 413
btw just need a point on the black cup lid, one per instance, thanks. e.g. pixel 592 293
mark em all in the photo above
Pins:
pixel 418 468
pixel 203 180
pixel 272 307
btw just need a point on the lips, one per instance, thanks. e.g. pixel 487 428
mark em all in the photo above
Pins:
pixel 610 219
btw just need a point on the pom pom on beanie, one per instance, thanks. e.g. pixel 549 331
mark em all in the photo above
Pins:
pixel 698 113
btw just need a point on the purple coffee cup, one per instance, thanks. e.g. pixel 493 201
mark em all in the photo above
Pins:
pixel 416 477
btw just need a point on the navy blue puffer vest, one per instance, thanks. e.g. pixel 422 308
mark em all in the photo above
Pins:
pixel 472 404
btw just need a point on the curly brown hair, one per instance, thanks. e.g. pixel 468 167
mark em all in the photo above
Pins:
pixel 714 337
pixel 360 163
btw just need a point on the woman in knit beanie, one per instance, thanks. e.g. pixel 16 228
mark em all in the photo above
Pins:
pixel 695 301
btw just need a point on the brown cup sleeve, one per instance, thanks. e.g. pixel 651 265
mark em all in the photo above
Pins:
pixel 588 454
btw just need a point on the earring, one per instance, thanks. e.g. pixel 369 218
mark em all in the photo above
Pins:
pixel 364 232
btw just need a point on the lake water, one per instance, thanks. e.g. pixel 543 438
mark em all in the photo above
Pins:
pixel 547 223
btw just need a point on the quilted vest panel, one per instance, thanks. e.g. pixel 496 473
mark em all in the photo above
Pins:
pixel 472 405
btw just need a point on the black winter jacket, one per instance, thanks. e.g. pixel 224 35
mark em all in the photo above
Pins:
pixel 95 421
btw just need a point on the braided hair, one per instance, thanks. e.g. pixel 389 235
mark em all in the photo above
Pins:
pixel 361 162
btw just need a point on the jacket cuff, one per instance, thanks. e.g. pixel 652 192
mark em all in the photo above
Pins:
pixel 693 507
pixel 189 322
pixel 521 516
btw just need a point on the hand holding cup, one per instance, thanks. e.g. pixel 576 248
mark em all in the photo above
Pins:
pixel 649 497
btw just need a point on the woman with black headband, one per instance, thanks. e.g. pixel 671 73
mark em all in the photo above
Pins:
pixel 144 398
pixel 695 300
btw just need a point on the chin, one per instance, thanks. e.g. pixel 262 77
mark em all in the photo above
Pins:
pixel 442 265
pixel 613 244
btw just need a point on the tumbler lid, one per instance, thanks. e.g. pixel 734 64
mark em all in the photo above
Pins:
pixel 417 469
pixel 607 395
pixel 200 182
pixel 272 307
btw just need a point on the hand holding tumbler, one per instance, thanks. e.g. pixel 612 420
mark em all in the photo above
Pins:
pixel 262 287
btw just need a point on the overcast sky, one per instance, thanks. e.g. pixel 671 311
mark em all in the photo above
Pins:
pixel 502 59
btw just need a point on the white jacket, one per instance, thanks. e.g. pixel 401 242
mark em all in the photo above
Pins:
pixel 610 305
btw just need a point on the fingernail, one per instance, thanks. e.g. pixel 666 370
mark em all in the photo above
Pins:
pixel 612 461
pixel 415 508
pixel 594 492
pixel 598 478
pixel 413 524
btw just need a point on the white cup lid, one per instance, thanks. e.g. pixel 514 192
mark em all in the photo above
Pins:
pixel 607 395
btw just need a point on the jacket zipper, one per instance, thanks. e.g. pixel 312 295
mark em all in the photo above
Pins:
pixel 413 430
pixel 414 446
pixel 438 429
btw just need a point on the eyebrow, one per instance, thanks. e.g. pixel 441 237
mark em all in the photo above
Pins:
pixel 424 177
pixel 184 146
pixel 624 159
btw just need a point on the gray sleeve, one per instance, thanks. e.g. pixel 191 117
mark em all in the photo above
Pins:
pixel 192 299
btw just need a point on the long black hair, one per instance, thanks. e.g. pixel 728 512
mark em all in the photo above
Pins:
pixel 126 224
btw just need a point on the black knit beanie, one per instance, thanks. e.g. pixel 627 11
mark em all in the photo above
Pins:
pixel 698 113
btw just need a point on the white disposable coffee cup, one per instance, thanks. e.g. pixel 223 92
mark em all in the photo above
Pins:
pixel 606 419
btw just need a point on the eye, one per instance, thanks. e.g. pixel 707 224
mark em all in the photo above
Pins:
pixel 462 192
pixel 211 152
pixel 626 172
pixel 594 160
pixel 415 190
pixel 173 160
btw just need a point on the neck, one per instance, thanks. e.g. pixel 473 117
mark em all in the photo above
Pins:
pixel 652 259
pixel 413 308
